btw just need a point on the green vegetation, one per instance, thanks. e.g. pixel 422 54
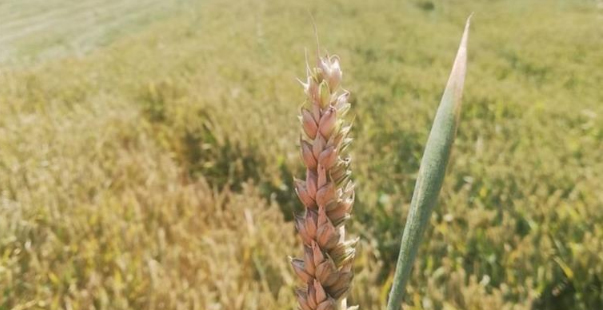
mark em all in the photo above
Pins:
pixel 31 30
pixel 431 172
pixel 156 172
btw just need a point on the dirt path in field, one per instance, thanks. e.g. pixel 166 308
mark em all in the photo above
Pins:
pixel 33 30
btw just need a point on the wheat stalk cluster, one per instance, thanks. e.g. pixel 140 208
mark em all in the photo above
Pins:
pixel 326 192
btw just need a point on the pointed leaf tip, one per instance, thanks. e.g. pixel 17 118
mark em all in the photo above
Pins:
pixel 456 80
pixel 466 32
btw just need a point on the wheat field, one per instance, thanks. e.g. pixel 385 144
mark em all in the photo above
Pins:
pixel 34 30
pixel 148 148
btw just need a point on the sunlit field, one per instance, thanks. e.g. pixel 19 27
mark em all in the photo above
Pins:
pixel 148 148
pixel 31 30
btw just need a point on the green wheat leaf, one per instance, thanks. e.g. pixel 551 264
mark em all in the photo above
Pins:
pixel 432 171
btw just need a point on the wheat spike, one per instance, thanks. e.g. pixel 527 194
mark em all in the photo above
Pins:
pixel 327 191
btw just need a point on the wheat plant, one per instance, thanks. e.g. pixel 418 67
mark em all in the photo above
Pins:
pixel 327 191
pixel 431 173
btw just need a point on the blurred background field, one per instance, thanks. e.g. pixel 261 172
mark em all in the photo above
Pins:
pixel 147 150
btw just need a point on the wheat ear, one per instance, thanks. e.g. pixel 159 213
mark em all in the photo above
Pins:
pixel 327 191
